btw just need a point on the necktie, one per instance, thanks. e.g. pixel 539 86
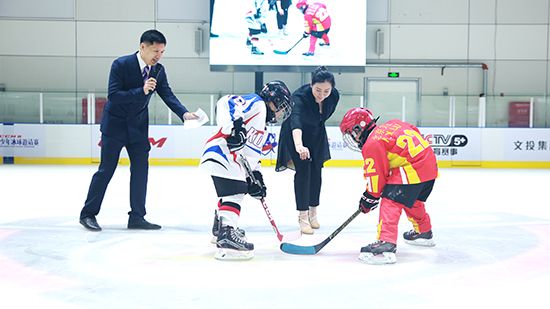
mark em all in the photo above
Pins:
pixel 145 73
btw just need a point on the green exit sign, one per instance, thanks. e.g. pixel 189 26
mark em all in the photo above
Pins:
pixel 393 74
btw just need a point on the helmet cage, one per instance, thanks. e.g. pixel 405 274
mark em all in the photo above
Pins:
pixel 278 93
pixel 352 138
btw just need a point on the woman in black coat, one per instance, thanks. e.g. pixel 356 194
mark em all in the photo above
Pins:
pixel 303 143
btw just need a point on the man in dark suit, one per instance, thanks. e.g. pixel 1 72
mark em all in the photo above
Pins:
pixel 125 123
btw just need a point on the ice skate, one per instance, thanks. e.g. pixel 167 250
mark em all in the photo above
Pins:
pixel 216 229
pixel 313 222
pixel 324 44
pixel 255 51
pixel 232 246
pixel 419 239
pixel 303 220
pixel 308 54
pixel 377 253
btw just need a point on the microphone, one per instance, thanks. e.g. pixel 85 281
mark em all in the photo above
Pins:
pixel 155 71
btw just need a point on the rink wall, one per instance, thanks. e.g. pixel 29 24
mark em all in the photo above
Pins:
pixel 174 145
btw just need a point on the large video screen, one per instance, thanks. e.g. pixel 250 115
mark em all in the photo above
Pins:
pixel 251 35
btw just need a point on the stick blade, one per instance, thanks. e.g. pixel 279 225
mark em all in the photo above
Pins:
pixel 280 52
pixel 295 249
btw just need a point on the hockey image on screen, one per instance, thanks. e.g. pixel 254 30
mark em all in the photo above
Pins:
pixel 288 33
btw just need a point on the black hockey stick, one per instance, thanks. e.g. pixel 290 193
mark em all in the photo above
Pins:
pixel 283 238
pixel 282 52
pixel 296 249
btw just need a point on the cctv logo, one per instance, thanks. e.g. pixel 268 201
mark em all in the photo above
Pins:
pixel 441 140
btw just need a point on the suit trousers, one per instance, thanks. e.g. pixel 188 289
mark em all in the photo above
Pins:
pixel 138 154
pixel 307 183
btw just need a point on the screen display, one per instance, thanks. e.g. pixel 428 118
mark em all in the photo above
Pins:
pixel 252 35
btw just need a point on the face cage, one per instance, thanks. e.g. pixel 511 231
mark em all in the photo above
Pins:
pixel 286 109
pixel 350 141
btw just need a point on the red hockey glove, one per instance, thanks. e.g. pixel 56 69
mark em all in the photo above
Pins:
pixel 367 202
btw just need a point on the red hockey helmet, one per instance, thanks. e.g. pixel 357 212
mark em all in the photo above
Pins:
pixel 355 127
pixel 301 5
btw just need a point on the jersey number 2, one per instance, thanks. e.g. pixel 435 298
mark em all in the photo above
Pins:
pixel 414 142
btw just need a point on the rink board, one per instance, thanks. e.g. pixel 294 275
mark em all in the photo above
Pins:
pixel 174 145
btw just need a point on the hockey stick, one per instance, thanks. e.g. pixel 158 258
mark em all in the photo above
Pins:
pixel 282 238
pixel 282 52
pixel 296 249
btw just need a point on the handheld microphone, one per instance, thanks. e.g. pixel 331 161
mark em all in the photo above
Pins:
pixel 155 71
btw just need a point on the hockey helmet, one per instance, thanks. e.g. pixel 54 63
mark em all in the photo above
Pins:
pixel 302 5
pixel 277 92
pixel 356 126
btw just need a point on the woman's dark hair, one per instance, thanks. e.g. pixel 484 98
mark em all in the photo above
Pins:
pixel 152 36
pixel 321 75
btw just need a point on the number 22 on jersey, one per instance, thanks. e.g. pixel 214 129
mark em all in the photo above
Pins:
pixel 414 142
pixel 372 181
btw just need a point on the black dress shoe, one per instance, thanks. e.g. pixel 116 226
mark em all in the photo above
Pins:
pixel 142 224
pixel 90 223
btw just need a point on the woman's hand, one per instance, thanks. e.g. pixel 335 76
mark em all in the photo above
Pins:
pixel 302 151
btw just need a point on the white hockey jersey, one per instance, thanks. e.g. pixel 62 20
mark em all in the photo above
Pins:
pixel 216 159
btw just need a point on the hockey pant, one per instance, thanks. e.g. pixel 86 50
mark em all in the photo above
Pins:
pixel 231 193
pixel 390 212
pixel 318 34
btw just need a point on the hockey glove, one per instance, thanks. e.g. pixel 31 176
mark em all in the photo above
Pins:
pixel 237 138
pixel 367 202
pixel 258 14
pixel 305 35
pixel 256 189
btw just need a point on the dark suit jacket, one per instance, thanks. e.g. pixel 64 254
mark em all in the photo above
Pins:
pixel 305 116
pixel 126 114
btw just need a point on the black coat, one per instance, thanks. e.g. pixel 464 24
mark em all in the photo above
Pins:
pixel 305 116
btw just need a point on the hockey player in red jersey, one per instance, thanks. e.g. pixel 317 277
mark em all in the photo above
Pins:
pixel 317 23
pixel 242 133
pixel 400 169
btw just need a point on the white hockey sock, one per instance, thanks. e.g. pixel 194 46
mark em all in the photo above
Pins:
pixel 228 218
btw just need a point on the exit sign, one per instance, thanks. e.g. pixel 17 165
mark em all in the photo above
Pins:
pixel 393 74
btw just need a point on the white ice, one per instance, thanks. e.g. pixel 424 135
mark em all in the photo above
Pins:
pixel 492 229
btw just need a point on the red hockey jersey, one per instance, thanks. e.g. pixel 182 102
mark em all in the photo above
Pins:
pixel 396 153
pixel 316 17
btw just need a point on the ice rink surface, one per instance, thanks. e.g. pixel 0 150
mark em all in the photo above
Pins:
pixel 492 229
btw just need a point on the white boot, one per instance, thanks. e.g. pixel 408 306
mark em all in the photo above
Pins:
pixel 313 217
pixel 303 220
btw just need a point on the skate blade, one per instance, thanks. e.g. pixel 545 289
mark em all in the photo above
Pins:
pixel 421 242
pixel 224 254
pixel 379 259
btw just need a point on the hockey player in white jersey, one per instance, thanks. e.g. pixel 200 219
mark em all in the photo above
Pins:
pixel 255 20
pixel 241 134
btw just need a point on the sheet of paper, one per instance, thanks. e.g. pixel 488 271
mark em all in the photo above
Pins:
pixel 195 123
